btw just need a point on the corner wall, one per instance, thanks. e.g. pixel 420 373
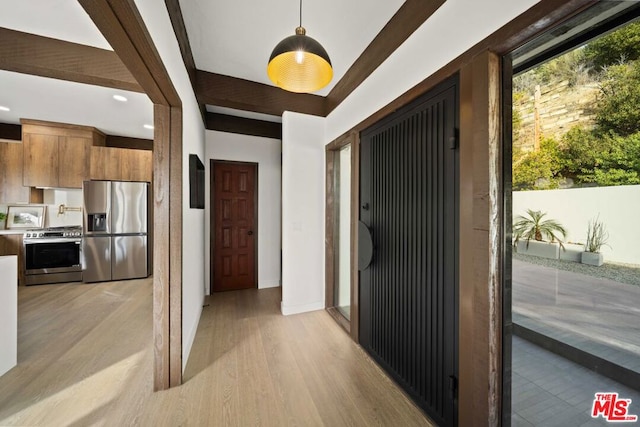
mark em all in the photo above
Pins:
pixel 303 213
pixel 157 20
pixel 266 153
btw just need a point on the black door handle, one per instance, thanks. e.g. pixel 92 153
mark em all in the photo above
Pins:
pixel 250 233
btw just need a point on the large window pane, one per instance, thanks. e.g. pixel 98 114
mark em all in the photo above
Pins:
pixel 575 255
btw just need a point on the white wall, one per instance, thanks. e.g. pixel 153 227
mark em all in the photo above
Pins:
pixel 452 30
pixel 303 167
pixel 71 198
pixel 618 208
pixel 156 18
pixel 266 153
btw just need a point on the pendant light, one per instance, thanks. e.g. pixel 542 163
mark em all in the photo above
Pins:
pixel 299 63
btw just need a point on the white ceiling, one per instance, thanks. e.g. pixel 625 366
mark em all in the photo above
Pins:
pixel 235 38
pixel 40 98
pixel 54 100
pixel 232 38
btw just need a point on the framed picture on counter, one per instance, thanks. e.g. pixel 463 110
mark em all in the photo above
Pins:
pixel 24 216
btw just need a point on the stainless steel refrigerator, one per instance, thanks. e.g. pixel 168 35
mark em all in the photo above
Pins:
pixel 114 243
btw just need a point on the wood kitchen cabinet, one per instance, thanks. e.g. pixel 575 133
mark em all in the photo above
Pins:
pixel 121 164
pixel 56 154
pixel 11 170
pixel 11 244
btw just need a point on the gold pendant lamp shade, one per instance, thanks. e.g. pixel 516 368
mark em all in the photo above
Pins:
pixel 299 63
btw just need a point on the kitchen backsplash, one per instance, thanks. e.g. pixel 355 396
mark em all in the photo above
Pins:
pixel 64 207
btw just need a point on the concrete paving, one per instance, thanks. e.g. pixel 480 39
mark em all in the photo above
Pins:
pixel 596 315
pixel 548 390
pixel 599 316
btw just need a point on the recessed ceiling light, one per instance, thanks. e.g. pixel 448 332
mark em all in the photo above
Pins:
pixel 148 127
pixel 120 98
pixel 3 108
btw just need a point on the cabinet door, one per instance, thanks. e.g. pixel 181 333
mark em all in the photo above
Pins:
pixel 11 244
pixel 40 160
pixel 106 163
pixel 11 167
pixel 74 161
pixel 137 165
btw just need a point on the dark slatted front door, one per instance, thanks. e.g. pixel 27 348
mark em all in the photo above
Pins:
pixel 234 248
pixel 409 197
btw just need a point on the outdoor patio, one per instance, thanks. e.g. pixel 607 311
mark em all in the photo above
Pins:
pixel 548 390
pixel 597 315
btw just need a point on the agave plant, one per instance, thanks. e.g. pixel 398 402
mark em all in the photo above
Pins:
pixel 532 226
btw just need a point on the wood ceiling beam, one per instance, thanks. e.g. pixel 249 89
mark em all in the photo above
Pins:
pixel 117 141
pixel 46 57
pixel 177 22
pixel 180 30
pixel 120 22
pixel 411 15
pixel 224 91
pixel 243 126
pixel 10 131
pixel 232 92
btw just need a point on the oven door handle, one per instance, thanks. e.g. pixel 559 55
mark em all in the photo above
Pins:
pixel 61 240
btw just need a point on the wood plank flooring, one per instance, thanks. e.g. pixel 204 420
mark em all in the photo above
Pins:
pixel 85 357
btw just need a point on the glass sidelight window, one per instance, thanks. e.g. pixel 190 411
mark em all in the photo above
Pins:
pixel 340 247
pixel 342 293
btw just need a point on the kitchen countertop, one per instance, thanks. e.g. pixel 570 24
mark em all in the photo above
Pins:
pixel 8 232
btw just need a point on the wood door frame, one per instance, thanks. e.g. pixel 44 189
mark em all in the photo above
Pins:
pixel 122 25
pixel 212 229
pixel 352 326
pixel 481 215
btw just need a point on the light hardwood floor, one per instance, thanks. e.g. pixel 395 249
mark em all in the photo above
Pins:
pixel 85 358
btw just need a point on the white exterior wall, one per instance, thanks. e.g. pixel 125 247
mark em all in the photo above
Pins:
pixel 303 171
pixel 266 153
pixel 617 207
pixel 157 20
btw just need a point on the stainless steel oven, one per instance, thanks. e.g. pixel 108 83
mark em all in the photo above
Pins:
pixel 53 255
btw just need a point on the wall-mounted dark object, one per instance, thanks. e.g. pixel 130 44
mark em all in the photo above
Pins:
pixel 196 182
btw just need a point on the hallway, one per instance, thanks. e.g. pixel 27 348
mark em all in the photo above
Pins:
pixel 85 358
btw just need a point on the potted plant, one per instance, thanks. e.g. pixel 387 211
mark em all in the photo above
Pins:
pixel 533 227
pixel 3 217
pixel 597 237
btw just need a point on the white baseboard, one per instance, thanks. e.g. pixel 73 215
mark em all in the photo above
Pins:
pixel 303 308
pixel 264 284
pixel 188 341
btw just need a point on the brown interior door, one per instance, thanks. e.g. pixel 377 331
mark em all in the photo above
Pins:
pixel 234 226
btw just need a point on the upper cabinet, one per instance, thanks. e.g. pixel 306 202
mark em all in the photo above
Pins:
pixel 57 155
pixel 11 188
pixel 121 164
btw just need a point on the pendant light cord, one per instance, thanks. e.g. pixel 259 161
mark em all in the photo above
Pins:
pixel 301 13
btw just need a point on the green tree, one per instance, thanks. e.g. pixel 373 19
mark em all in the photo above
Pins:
pixel 579 154
pixel 618 108
pixel 602 159
pixel 568 66
pixel 537 170
pixel 619 46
